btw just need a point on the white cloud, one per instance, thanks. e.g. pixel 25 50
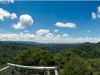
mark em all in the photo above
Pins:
pixel 25 20
pixel 21 33
pixel 98 15
pixel 4 13
pixel 55 39
pixel 58 36
pixel 17 37
pixel 56 30
pixel 6 1
pixel 26 31
pixel 66 25
pixel 88 31
pixel 65 35
pixel 13 16
pixel 98 9
pixel 42 31
pixel 93 15
pixel 49 35
pixel 49 38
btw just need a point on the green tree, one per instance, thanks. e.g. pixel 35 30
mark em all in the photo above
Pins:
pixel 75 67
pixel 35 57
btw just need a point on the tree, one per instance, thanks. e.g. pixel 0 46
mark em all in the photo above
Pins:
pixel 75 67
pixel 59 60
pixel 35 57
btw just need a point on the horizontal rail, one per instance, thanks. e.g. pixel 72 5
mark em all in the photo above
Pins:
pixel 4 68
pixel 31 67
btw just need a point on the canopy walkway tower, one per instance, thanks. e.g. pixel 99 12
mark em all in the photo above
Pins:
pixel 15 69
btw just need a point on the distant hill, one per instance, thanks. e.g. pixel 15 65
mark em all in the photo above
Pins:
pixel 37 43
pixel 24 42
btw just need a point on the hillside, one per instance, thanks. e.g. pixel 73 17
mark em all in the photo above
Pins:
pixel 9 50
pixel 71 59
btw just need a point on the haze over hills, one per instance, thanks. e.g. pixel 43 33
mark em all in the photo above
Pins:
pixel 24 42
pixel 28 42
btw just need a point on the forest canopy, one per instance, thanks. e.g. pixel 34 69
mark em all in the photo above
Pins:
pixel 71 59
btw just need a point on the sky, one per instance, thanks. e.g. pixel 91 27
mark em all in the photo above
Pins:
pixel 50 21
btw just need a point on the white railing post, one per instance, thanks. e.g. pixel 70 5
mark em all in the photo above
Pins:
pixel 47 72
pixel 56 72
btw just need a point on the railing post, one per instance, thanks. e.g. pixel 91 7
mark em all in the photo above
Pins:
pixel 47 72
pixel 56 72
pixel 14 70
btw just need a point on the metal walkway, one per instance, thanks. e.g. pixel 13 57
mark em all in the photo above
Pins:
pixel 45 69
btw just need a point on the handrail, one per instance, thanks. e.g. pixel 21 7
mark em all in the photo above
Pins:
pixel 46 69
pixel 4 68
pixel 46 72
pixel 31 67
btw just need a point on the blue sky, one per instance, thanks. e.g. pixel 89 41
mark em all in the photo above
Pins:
pixel 50 21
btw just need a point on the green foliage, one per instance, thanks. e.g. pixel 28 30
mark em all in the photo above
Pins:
pixel 93 65
pixel 35 57
pixel 83 59
pixel 59 60
pixel 10 50
pixel 75 67
pixel 61 72
pixel 87 50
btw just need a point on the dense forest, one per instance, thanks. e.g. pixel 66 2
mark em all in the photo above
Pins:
pixel 71 59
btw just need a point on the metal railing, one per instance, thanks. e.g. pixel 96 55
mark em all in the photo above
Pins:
pixel 3 69
pixel 45 69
